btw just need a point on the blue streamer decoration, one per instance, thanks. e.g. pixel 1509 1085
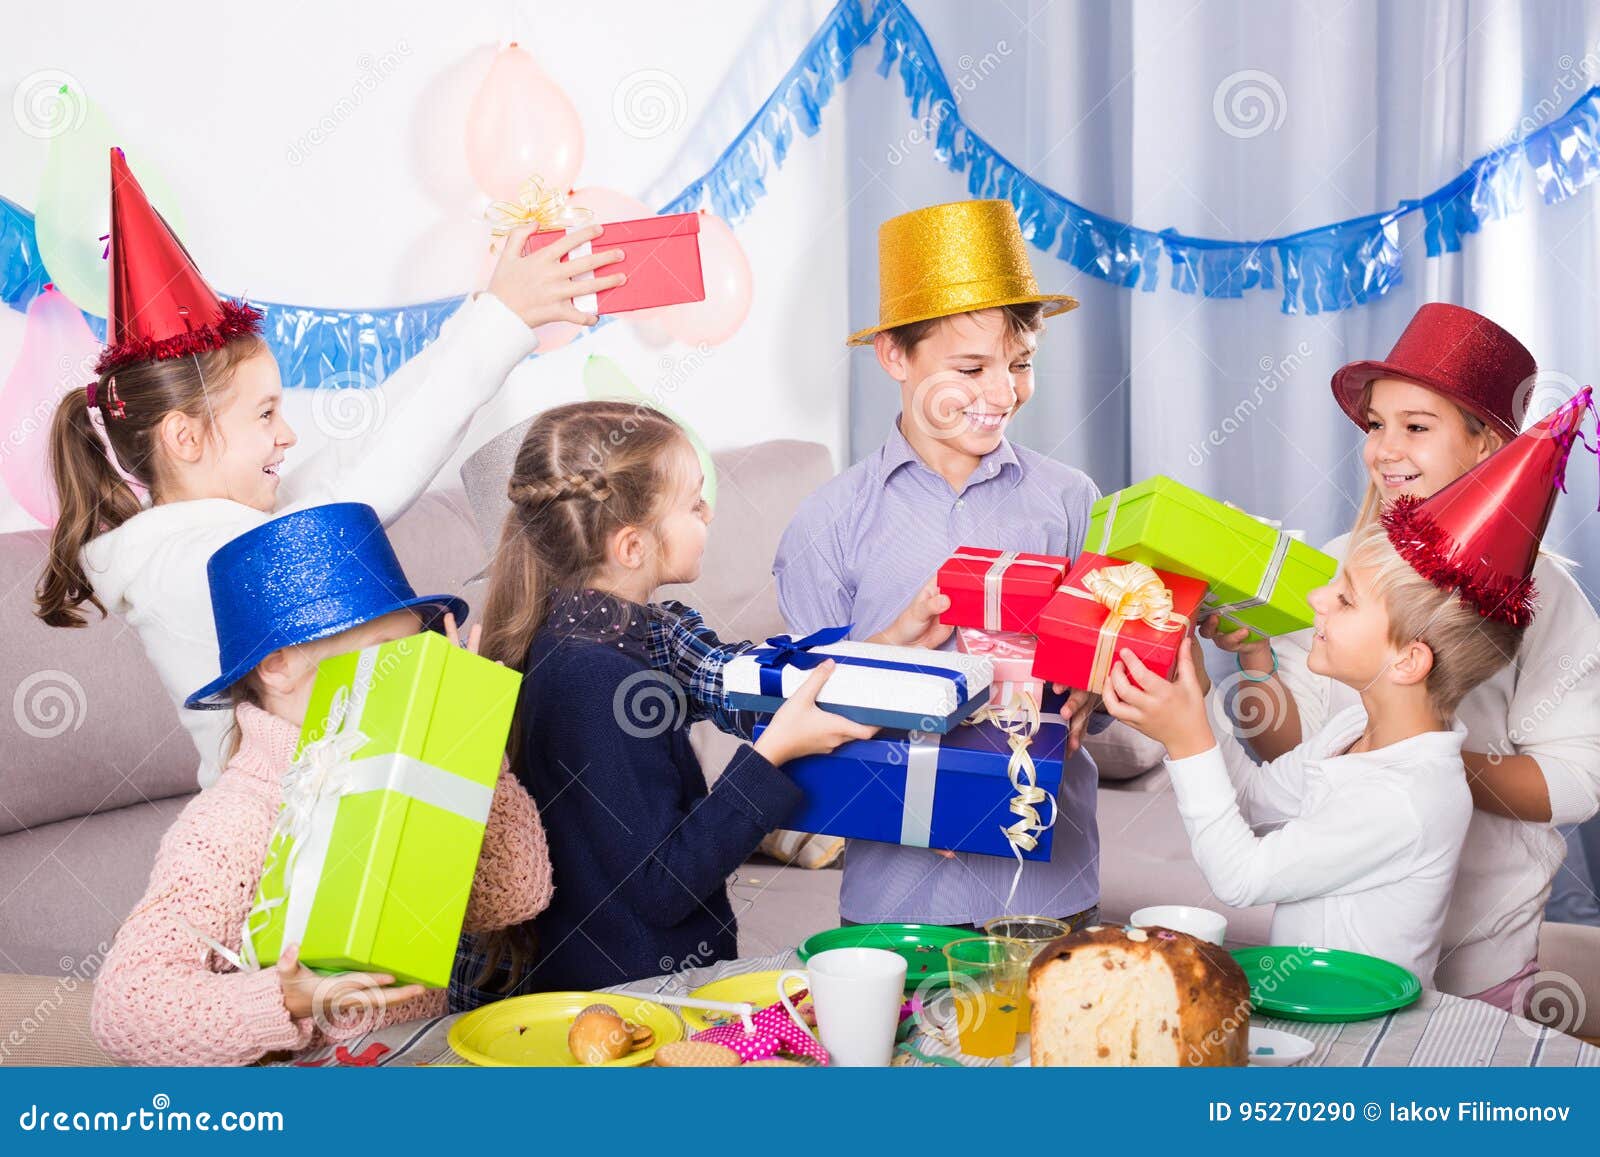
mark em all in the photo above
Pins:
pixel 1333 267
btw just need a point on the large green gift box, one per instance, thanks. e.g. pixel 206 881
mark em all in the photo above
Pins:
pixel 373 856
pixel 1260 576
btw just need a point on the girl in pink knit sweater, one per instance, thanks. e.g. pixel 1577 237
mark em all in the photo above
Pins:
pixel 171 990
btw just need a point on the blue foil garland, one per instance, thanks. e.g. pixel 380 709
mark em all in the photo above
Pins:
pixel 1332 267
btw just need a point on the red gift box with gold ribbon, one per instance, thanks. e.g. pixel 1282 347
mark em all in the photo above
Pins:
pixel 998 590
pixel 1106 605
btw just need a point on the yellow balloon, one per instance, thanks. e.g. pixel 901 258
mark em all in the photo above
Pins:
pixel 73 215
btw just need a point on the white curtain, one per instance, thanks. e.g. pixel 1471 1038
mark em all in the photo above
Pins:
pixel 1247 119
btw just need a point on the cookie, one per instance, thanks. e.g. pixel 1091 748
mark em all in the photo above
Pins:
pixel 774 1063
pixel 687 1054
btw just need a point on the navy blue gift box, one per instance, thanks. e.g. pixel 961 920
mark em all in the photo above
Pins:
pixel 921 790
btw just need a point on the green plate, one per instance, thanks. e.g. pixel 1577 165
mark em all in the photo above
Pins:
pixel 1324 984
pixel 921 944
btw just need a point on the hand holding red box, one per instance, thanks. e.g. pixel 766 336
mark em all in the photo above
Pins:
pixel 661 260
pixel 1107 605
pixel 997 590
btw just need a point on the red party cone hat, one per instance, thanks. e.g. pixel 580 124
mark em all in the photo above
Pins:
pixel 1480 535
pixel 160 305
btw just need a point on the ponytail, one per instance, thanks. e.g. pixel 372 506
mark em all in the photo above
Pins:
pixel 94 498
pixel 93 494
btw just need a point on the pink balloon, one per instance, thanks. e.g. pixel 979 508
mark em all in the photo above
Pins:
pixel 728 289
pixel 58 353
pixel 521 125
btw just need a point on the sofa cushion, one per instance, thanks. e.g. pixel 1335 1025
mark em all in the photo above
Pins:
pixel 90 727
pixel 67 886
pixel 44 1020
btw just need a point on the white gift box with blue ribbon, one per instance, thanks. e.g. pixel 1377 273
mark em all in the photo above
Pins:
pixel 920 790
pixel 910 688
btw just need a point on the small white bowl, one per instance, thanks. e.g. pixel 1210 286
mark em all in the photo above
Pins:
pixel 1199 922
pixel 1272 1048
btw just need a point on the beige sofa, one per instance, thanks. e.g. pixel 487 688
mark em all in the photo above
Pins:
pixel 95 766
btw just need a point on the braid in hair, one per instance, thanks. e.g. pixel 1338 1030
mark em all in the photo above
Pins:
pixel 533 495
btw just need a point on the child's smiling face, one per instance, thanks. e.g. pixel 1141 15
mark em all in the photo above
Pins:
pixel 249 436
pixel 961 384
pixel 1350 640
pixel 1418 442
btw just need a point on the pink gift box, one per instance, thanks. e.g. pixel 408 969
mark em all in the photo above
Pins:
pixel 1011 652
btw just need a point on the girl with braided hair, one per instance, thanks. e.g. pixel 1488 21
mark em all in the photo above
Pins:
pixel 606 508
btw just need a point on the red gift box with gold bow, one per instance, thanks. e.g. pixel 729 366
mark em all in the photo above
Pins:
pixel 1106 605
pixel 998 590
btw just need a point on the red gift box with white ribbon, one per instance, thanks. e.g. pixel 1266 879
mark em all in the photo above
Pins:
pixel 661 258
pixel 998 590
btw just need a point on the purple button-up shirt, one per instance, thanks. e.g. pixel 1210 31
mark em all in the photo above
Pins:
pixel 857 552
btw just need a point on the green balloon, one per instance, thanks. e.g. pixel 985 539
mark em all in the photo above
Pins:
pixel 74 208
pixel 603 380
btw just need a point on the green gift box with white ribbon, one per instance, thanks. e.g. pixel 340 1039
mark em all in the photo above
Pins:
pixel 373 856
pixel 1260 575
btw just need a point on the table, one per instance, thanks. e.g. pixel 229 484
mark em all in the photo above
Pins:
pixel 1437 1030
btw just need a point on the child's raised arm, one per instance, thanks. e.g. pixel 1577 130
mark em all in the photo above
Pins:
pixel 417 418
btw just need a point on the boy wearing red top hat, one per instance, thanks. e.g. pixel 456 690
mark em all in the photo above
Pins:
pixel 1374 807
pixel 1451 393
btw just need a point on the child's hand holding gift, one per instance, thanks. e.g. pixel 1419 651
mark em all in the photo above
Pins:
pixel 344 996
pixel 1171 713
pixel 918 625
pixel 800 727
pixel 539 287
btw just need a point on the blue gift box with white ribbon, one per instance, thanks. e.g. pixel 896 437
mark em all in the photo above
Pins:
pixel 911 688
pixel 953 791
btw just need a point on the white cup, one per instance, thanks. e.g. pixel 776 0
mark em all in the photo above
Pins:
pixel 857 993
pixel 1199 922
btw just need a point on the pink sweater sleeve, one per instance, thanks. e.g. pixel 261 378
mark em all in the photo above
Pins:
pixel 161 997
pixel 513 882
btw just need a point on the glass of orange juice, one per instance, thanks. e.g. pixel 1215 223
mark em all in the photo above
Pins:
pixel 988 978
pixel 1033 931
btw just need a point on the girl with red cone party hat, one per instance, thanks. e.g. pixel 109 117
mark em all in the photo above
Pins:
pixel 189 401
pixel 1444 405
pixel 1373 809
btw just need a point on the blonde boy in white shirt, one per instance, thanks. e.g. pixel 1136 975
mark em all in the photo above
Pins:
pixel 1374 807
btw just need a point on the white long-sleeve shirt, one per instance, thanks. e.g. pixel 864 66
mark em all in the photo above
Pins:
pixel 151 570
pixel 1366 855
pixel 1546 704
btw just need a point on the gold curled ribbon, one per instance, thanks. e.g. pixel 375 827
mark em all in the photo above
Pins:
pixel 1021 724
pixel 1132 592
pixel 536 204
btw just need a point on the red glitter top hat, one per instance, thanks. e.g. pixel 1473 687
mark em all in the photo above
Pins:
pixel 160 305
pixel 1455 352
pixel 1480 535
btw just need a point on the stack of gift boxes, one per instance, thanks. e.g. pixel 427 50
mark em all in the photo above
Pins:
pixel 373 858
pixel 1159 558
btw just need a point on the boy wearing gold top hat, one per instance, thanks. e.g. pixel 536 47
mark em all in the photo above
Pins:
pixel 959 316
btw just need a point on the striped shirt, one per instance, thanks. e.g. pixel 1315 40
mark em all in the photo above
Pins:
pixel 858 551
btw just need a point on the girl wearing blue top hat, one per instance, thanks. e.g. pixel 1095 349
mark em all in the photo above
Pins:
pixel 173 989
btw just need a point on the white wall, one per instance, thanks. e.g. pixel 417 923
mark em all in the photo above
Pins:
pixel 225 98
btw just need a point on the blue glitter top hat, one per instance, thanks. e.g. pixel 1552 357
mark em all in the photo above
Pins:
pixel 305 576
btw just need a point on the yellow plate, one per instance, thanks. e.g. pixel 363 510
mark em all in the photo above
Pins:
pixel 531 1031
pixel 758 988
